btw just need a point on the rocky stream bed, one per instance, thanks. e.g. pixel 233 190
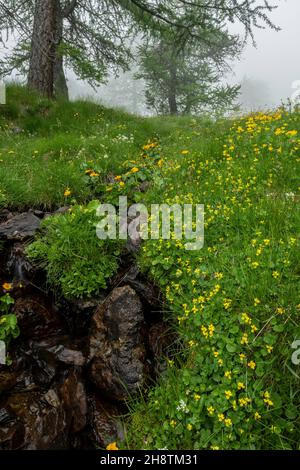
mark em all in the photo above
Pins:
pixel 75 364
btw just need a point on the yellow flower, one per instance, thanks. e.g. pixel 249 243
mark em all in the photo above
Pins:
pixel 252 365
pixel 173 423
pixel 121 184
pixel 7 286
pixel 185 152
pixel 241 386
pixel 67 192
pixel 257 416
pixel 228 374
pixel 228 422
pixel 118 178
pixel 255 264
pixel 268 402
pixel 210 410
pixel 227 303
pixel 244 339
pixel 244 401
pixel 246 319
pixel 197 397
pixel 189 427
pixel 280 310
pixel 134 170
pixel 112 446
pixel 275 274
pixel 211 330
pixel 292 133
pixel 269 349
pixel 228 394
pixel 221 417
pixel 256 302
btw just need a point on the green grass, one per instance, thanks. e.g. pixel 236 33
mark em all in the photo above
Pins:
pixel 235 303
pixel 57 142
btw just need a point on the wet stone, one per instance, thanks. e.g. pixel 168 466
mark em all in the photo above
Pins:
pixel 117 349
pixel 20 227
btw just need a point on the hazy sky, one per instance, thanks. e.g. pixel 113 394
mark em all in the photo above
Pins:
pixel 276 59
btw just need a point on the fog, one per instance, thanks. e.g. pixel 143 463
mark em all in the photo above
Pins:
pixel 274 63
pixel 266 71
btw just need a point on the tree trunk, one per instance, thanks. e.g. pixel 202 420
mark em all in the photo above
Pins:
pixel 172 103
pixel 43 46
pixel 60 82
pixel 172 89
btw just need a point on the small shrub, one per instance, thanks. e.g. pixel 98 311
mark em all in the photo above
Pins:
pixel 77 263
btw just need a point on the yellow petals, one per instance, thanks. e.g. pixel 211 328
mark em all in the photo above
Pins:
pixel 112 446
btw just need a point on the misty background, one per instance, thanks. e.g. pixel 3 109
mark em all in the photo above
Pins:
pixel 266 72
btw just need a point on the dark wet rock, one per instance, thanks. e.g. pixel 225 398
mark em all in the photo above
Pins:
pixel 133 245
pixel 70 356
pixel 148 292
pixel 11 434
pixel 36 319
pixel 44 420
pixel 62 210
pixel 8 379
pixel 78 314
pixel 34 423
pixel 61 349
pixel 39 214
pixel 117 348
pixel 5 215
pixel 18 266
pixel 73 398
pixel 44 366
pixel 20 227
pixel 105 422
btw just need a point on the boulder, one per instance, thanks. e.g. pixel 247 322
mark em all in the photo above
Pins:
pixel 117 351
pixel 44 420
pixel 105 422
pixel 20 227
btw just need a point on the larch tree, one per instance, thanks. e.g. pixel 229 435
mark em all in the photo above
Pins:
pixel 91 36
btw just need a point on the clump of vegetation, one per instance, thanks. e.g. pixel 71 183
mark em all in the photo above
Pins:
pixel 78 264
pixel 8 322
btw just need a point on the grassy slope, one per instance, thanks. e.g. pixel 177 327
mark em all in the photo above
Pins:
pixel 236 302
